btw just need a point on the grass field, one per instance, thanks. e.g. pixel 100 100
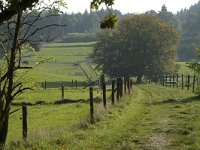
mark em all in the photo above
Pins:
pixel 151 117
pixel 184 69
pixel 61 62
pixel 60 68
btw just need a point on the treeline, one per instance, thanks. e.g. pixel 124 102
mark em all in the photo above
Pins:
pixel 185 21
pixel 190 28
pixel 85 26
pixel 87 23
pixel 53 26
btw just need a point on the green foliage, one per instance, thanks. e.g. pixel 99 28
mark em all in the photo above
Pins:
pixel 96 3
pixel 111 19
pixel 140 45
pixel 20 33
pixel 190 20
pixel 195 66
pixel 168 17
pixel 182 68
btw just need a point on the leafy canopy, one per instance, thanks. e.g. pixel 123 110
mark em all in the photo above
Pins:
pixel 140 45
pixel 8 9
pixel 111 20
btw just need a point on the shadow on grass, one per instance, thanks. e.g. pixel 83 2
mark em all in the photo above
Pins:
pixel 29 103
pixel 182 101
pixel 64 101
pixel 57 102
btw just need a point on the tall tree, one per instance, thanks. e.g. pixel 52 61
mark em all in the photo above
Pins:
pixel 14 13
pixel 168 17
pixel 140 45
pixel 190 20
pixel 8 9
pixel 17 34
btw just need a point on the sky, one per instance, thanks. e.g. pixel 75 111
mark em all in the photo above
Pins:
pixel 134 6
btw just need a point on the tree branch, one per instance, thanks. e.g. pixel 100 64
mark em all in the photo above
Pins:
pixel 20 91
pixel 6 14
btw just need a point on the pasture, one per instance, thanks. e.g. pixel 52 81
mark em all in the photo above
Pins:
pixel 147 118
pixel 183 69
pixel 58 65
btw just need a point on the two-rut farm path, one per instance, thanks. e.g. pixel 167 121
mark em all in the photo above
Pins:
pixel 151 118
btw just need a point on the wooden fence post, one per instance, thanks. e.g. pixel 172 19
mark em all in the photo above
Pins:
pixel 182 81
pixel 128 85
pixel 91 106
pixel 188 86
pixel 170 80
pixel 118 88
pixel 76 84
pixel 63 91
pixel 72 83
pixel 131 84
pixel 104 95
pixel 163 81
pixel 113 92
pixel 193 86
pixel 177 80
pixel 45 85
pixel 121 87
pixel 125 82
pixel 166 79
pixel 173 80
pixel 24 122
pixel 149 79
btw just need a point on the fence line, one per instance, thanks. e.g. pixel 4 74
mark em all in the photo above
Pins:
pixel 50 110
pixel 171 80
pixel 118 90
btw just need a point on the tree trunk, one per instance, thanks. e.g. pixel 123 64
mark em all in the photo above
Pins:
pixel 4 131
pixel 9 79
pixel 139 79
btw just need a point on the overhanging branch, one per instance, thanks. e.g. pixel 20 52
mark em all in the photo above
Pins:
pixel 10 12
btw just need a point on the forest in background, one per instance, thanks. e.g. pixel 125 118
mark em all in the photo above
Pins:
pixel 84 27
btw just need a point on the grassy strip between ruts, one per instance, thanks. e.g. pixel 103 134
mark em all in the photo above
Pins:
pixel 170 121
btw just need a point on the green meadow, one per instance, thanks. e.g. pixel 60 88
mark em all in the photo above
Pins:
pixel 57 64
pixel 151 117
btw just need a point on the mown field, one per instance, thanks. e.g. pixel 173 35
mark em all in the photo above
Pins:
pixel 151 117
pixel 57 64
